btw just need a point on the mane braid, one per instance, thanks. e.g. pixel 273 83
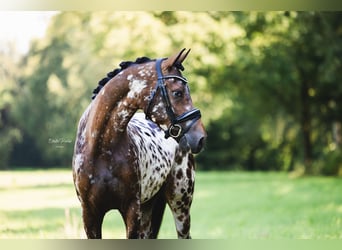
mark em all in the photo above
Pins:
pixel 110 75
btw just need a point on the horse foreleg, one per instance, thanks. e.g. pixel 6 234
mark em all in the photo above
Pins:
pixel 157 215
pixel 152 216
pixel 181 213
pixel 132 218
pixel 179 193
pixel 92 221
pixel 143 221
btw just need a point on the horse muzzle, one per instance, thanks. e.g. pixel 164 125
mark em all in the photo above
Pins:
pixel 192 141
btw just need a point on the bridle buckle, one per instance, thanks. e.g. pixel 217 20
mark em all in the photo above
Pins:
pixel 175 130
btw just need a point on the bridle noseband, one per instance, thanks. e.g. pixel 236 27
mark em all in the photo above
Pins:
pixel 175 130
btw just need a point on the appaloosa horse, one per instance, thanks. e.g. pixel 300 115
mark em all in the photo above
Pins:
pixel 134 163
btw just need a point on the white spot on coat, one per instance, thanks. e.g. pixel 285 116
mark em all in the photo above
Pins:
pixel 136 86
pixel 129 77
pixel 78 162
pixel 93 135
pixel 163 126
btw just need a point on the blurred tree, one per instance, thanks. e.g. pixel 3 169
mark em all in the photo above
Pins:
pixel 287 72
pixel 266 83
pixel 9 133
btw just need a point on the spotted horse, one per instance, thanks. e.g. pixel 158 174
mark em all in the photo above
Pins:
pixel 137 162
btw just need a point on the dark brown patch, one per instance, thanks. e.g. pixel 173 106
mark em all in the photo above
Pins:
pixel 188 173
pixel 179 174
pixel 178 159
pixel 186 200
pixel 186 226
pixel 185 211
pixel 191 162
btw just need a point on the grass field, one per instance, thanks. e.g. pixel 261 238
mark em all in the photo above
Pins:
pixel 227 205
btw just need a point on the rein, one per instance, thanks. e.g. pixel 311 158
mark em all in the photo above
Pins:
pixel 175 130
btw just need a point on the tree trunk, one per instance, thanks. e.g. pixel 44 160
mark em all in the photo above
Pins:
pixel 306 127
pixel 337 136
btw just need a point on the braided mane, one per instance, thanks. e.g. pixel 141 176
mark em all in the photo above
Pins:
pixel 110 75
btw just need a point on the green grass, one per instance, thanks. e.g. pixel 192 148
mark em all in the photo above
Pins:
pixel 227 205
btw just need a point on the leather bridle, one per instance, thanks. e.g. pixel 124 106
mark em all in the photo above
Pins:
pixel 175 130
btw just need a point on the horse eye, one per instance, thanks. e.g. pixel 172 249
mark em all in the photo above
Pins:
pixel 177 94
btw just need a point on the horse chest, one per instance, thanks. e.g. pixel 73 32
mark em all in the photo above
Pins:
pixel 154 155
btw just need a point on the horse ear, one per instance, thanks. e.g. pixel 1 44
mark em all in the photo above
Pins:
pixel 176 60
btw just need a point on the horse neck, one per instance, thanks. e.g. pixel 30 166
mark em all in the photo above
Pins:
pixel 114 106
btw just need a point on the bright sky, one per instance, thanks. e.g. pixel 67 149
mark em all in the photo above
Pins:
pixel 20 27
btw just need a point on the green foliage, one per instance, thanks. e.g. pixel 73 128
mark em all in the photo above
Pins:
pixel 280 78
pixel 329 163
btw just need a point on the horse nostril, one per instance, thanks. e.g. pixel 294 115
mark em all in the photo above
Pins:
pixel 200 144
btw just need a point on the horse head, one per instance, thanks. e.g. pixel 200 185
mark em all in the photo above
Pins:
pixel 170 105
